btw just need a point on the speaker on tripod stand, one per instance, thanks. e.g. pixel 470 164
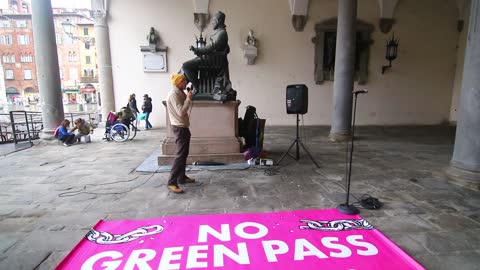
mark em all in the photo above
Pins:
pixel 297 103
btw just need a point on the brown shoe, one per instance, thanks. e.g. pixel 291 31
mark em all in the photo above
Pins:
pixel 175 189
pixel 187 180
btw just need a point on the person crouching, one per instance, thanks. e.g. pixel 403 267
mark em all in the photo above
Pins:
pixel 83 128
pixel 64 135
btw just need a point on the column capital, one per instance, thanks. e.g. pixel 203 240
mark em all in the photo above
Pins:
pixel 100 17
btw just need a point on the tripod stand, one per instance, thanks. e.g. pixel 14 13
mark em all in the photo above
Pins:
pixel 347 208
pixel 297 142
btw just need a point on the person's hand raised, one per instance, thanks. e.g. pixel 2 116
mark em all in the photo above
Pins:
pixel 189 94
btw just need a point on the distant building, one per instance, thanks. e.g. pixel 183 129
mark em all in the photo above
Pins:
pixel 18 56
pixel 17 52
pixel 88 61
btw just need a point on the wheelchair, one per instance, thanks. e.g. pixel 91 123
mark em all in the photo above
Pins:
pixel 120 130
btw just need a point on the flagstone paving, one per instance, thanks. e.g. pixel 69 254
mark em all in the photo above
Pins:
pixel 52 195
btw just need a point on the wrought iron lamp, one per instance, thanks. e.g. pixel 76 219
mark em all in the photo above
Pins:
pixel 391 54
pixel 69 29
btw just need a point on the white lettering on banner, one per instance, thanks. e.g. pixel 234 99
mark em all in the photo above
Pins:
pixel 168 256
pixel 112 265
pixel 311 250
pixel 193 256
pixel 141 263
pixel 220 250
pixel 198 256
pixel 371 249
pixel 204 229
pixel 344 251
pixel 240 230
pixel 224 235
pixel 270 252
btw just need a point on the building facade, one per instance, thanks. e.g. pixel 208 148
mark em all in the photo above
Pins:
pixel 88 61
pixel 18 57
pixel 17 53
pixel 420 88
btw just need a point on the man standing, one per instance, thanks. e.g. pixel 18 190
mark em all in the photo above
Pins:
pixel 178 106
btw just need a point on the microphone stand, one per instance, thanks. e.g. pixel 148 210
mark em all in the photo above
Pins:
pixel 347 208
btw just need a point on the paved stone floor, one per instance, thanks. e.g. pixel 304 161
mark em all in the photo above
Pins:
pixel 51 195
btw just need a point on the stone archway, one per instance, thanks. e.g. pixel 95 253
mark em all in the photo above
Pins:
pixel 12 93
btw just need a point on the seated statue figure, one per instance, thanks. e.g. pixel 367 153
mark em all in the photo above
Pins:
pixel 209 72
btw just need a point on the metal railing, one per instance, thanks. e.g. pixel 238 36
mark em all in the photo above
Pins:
pixel 19 126
pixel 90 117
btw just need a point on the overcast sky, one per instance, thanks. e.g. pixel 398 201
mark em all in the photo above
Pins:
pixel 70 3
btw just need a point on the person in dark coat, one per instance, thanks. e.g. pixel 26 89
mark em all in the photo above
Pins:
pixel 147 109
pixel 132 104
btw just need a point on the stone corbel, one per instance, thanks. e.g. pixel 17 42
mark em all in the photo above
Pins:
pixel 299 10
pixel 461 6
pixel 387 8
pixel 201 16
pixel 251 50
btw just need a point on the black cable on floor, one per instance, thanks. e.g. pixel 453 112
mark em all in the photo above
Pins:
pixel 84 189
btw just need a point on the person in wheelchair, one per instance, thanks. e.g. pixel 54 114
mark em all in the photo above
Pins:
pixel 125 116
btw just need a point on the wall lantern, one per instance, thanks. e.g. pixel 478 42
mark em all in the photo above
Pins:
pixel 69 28
pixel 391 54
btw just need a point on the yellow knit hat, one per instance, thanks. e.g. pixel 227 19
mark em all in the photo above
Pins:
pixel 177 79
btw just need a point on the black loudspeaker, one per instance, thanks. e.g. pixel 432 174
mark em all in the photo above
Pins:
pixel 297 99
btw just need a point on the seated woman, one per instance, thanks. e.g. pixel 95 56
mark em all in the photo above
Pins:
pixel 64 135
pixel 83 128
pixel 125 116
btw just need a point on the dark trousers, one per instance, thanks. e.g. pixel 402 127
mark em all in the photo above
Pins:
pixel 182 141
pixel 68 139
pixel 147 123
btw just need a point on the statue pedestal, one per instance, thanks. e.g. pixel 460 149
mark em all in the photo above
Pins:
pixel 214 126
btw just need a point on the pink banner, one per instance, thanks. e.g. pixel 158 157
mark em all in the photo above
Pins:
pixel 306 239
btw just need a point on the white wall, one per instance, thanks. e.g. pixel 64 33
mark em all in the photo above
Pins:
pixel 417 90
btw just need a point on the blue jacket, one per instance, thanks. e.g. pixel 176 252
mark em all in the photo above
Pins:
pixel 62 132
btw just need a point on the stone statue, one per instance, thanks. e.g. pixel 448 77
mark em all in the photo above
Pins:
pixel 251 40
pixel 152 37
pixel 208 72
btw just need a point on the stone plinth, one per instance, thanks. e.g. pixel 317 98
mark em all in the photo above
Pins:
pixel 213 125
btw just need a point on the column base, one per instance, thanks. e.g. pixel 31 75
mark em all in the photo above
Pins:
pixel 464 178
pixel 339 137
pixel 47 135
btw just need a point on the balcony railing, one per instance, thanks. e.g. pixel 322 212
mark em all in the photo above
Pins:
pixel 89 79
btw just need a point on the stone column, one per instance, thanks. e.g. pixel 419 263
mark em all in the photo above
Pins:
pixel 465 164
pixel 344 70
pixel 46 60
pixel 102 42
